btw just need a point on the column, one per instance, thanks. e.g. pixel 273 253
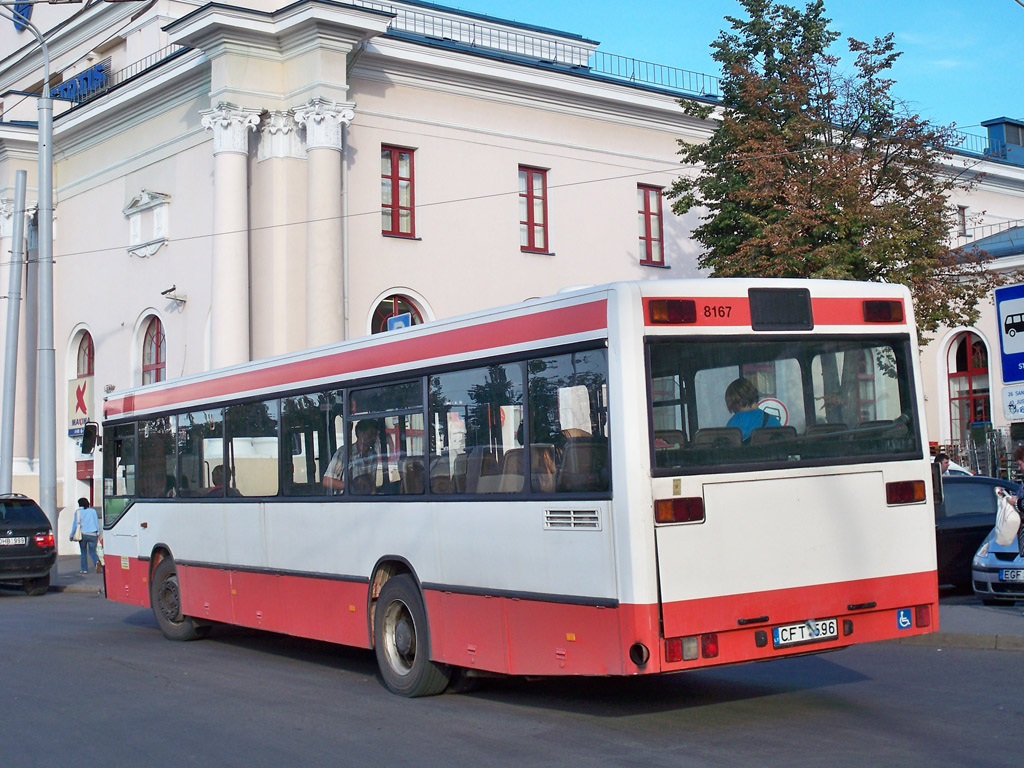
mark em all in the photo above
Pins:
pixel 229 314
pixel 323 121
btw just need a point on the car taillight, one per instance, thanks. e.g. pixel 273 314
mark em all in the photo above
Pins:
pixel 44 540
pixel 923 615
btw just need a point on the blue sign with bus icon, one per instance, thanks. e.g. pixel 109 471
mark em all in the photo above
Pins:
pixel 1010 307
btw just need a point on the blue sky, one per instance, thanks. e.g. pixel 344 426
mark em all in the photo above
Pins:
pixel 961 59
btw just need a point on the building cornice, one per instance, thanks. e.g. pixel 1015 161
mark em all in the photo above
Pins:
pixel 399 62
pixel 215 25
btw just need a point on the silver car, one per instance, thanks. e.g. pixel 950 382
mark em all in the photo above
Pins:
pixel 997 572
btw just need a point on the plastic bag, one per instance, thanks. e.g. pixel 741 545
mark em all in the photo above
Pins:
pixel 1007 520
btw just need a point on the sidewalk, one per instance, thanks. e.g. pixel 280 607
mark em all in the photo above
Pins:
pixel 963 621
pixel 68 579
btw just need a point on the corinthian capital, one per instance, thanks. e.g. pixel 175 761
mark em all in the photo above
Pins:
pixel 6 217
pixel 322 120
pixel 230 126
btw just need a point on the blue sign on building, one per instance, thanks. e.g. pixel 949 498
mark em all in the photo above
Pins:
pixel 1010 310
pixel 403 320
pixel 82 85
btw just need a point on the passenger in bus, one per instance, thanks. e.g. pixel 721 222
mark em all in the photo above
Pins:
pixel 217 477
pixel 363 463
pixel 741 400
pixel 217 489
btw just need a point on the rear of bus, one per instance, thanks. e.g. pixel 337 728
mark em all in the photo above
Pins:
pixel 805 526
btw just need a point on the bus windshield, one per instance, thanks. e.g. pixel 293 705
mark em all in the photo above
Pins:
pixel 718 403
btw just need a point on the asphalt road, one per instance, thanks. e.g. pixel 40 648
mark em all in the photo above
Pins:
pixel 87 682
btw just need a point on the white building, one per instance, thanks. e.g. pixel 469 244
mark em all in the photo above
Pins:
pixel 238 182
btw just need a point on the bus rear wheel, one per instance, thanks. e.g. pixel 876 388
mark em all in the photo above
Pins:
pixel 401 642
pixel 165 598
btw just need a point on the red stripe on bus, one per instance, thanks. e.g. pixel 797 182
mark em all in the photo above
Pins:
pixel 734 311
pixel 538 326
pixel 535 637
pixel 784 606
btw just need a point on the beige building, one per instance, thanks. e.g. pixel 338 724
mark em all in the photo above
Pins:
pixel 238 182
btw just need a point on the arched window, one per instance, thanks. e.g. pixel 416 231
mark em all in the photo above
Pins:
pixel 394 306
pixel 86 353
pixel 968 385
pixel 154 366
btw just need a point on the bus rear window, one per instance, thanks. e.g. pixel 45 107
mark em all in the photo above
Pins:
pixel 718 403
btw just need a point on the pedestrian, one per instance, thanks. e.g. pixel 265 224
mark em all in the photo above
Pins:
pixel 87 525
pixel 943 461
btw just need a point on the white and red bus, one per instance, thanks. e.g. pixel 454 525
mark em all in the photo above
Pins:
pixel 552 488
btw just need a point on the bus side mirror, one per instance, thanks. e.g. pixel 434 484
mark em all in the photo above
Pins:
pixel 90 437
pixel 937 482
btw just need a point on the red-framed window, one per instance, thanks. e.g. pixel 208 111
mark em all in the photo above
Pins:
pixel 648 219
pixel 154 365
pixel 397 192
pixel 394 306
pixel 86 355
pixel 969 399
pixel 533 210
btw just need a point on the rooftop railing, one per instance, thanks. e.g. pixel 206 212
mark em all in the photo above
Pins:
pixel 979 146
pixel 546 49
pixel 495 38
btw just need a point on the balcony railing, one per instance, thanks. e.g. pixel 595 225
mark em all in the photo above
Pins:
pixel 979 146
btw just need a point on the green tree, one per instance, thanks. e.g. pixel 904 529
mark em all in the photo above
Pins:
pixel 813 173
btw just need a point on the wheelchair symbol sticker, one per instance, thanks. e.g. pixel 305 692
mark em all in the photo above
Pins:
pixel 903 619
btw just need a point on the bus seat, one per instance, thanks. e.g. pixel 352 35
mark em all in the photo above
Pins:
pixel 411 472
pixel 673 438
pixel 825 428
pixel 763 435
pixel 459 466
pixel 886 427
pixel 727 437
pixel 440 475
pixel 481 470
pixel 543 467
pixel 584 465
pixel 511 471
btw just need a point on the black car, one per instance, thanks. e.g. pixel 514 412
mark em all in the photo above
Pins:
pixel 27 548
pixel 963 519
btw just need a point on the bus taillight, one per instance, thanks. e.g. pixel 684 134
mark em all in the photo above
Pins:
pixel 709 646
pixel 672 311
pixel 879 311
pixel 923 616
pixel 904 492
pixel 688 510
pixel 685 648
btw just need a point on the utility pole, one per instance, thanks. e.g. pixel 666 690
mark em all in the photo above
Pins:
pixel 46 373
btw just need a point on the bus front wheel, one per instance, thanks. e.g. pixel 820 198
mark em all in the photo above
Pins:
pixel 165 597
pixel 401 644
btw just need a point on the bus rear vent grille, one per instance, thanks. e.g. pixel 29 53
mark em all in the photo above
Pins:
pixel 572 519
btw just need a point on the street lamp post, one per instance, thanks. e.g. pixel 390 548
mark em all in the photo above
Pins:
pixel 45 350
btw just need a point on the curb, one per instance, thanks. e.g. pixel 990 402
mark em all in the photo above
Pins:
pixel 83 589
pixel 969 641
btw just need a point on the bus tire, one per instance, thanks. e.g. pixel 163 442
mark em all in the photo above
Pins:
pixel 165 598
pixel 401 641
